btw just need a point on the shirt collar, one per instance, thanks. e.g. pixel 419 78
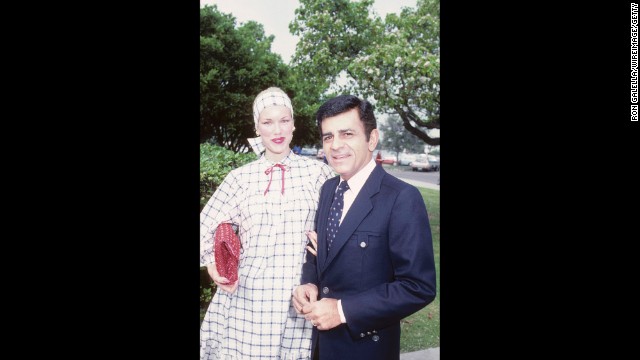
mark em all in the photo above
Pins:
pixel 357 181
pixel 286 161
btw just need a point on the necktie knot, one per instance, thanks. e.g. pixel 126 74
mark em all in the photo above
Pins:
pixel 343 186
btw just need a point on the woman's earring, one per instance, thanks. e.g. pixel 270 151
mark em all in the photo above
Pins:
pixel 294 129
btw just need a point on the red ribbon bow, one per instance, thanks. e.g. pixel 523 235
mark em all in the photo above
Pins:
pixel 269 171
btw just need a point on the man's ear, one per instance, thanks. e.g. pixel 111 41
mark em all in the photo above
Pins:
pixel 373 139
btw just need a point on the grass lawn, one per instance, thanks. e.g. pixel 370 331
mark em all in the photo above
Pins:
pixel 422 329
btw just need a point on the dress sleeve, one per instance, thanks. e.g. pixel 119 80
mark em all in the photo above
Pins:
pixel 326 173
pixel 221 207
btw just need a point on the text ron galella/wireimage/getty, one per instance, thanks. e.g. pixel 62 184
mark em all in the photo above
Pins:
pixel 634 62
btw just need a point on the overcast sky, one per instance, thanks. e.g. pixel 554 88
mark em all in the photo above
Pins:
pixel 275 16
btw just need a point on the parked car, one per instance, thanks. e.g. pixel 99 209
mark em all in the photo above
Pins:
pixel 434 161
pixel 421 163
pixel 407 158
pixel 386 157
pixel 308 152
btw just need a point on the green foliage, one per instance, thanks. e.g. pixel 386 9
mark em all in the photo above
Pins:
pixel 206 294
pixel 215 163
pixel 306 101
pixel 207 289
pixel 331 34
pixel 395 61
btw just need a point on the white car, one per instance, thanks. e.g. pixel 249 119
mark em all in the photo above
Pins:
pixel 421 163
pixel 434 161
pixel 406 159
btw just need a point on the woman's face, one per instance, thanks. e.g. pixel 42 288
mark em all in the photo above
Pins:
pixel 275 126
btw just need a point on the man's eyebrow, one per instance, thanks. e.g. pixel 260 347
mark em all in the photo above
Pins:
pixel 346 130
pixel 341 131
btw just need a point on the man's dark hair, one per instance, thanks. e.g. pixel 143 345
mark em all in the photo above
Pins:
pixel 344 103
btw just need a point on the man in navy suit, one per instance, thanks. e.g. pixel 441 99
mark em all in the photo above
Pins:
pixel 374 261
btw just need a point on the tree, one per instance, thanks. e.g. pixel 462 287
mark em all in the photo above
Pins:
pixel 306 101
pixel 395 61
pixel 235 65
pixel 395 138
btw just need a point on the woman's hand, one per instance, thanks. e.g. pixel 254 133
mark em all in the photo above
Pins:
pixel 221 281
pixel 313 240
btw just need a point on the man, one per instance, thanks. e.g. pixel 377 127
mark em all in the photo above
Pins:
pixel 374 264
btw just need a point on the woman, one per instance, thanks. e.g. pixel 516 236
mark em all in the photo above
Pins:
pixel 272 201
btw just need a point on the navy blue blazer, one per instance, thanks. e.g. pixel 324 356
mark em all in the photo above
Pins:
pixel 381 266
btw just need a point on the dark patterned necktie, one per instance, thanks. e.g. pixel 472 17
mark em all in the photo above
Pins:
pixel 336 213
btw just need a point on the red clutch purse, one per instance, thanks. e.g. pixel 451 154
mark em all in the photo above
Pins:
pixel 227 251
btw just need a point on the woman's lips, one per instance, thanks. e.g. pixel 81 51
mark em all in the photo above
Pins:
pixel 279 140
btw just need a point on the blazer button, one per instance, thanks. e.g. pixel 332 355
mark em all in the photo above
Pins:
pixel 368 332
pixel 361 335
pixel 363 244
pixel 375 338
pixel 325 290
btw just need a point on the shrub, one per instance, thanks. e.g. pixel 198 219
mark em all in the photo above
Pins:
pixel 215 163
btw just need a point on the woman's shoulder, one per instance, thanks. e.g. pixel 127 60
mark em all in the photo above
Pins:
pixel 309 162
pixel 246 169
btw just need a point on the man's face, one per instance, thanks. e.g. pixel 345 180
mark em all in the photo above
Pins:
pixel 345 143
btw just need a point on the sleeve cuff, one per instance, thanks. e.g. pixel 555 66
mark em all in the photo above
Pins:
pixel 342 318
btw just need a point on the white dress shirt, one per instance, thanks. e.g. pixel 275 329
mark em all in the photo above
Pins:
pixel 355 185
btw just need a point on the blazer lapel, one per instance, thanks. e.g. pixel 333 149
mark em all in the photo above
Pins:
pixel 326 197
pixel 357 212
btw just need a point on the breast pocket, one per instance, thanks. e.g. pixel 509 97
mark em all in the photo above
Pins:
pixel 362 244
pixel 373 258
pixel 366 241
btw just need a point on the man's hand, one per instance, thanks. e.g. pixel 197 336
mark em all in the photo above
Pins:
pixel 304 295
pixel 221 281
pixel 323 314
pixel 313 238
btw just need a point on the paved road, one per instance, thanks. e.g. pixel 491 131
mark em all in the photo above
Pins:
pixel 428 180
pixel 427 176
pixel 428 354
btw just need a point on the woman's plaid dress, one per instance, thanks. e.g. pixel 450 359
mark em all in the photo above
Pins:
pixel 258 320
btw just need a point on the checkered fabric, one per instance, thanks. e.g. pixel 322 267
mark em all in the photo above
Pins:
pixel 270 98
pixel 336 213
pixel 258 320
pixel 256 145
